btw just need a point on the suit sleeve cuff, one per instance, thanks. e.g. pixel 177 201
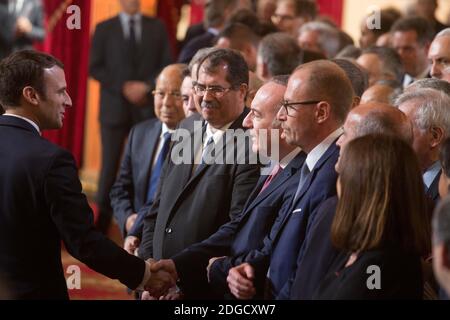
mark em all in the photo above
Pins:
pixel 147 275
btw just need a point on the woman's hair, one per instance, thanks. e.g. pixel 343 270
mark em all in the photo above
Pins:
pixel 444 157
pixel 382 201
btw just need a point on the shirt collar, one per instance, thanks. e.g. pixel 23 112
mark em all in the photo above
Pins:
pixel 216 133
pixel 26 119
pixel 164 129
pixel 287 159
pixel 431 173
pixel 125 17
pixel 316 153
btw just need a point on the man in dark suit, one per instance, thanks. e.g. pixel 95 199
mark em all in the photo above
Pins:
pixel 147 147
pixel 127 53
pixel 22 24
pixel 316 102
pixel 42 202
pixel 317 253
pixel 217 13
pixel 248 231
pixel 196 197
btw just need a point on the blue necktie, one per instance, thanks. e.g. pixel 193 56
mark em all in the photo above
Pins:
pixel 156 172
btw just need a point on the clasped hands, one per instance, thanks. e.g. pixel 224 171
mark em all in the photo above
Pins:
pixel 162 282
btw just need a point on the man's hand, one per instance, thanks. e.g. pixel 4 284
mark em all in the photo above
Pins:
pixel 23 26
pixel 136 92
pixel 173 294
pixel 160 281
pixel 166 265
pixel 240 281
pixel 131 244
pixel 130 222
pixel 211 261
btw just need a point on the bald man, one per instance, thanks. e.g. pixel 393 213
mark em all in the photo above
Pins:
pixel 318 253
pixel 381 93
pixel 317 100
pixel 147 146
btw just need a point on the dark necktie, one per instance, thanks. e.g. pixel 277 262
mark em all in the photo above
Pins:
pixel 303 176
pixel 208 150
pixel 156 172
pixel 132 46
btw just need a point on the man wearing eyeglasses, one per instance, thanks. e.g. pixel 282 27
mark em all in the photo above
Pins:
pixel 316 102
pixel 290 15
pixel 194 199
pixel 147 147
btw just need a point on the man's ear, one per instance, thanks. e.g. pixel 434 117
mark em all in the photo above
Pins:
pixel 243 90
pixel 30 95
pixel 323 111
pixel 437 136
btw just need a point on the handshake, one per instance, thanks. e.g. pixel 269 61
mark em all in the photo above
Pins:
pixel 162 281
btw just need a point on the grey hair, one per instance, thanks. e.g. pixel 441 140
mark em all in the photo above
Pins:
pixel 441 223
pixel 443 33
pixel 199 55
pixel 432 110
pixel 328 37
pixel 430 83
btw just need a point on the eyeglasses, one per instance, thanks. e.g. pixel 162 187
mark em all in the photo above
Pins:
pixel 290 106
pixel 281 17
pixel 217 91
pixel 161 94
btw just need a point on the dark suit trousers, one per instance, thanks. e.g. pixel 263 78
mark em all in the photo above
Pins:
pixel 112 138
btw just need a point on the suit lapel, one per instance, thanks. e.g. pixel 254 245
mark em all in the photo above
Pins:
pixel 279 180
pixel 118 30
pixel 330 151
pixel 225 141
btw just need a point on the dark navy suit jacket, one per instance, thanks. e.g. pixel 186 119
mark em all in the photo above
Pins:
pixel 42 204
pixel 129 193
pixel 240 235
pixel 283 244
pixel 316 256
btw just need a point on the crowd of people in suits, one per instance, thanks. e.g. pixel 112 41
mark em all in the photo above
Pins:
pixel 353 200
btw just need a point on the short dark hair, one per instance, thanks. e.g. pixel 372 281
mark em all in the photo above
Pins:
pixel 421 26
pixel 390 59
pixel 358 77
pixel 282 79
pixel 214 14
pixel 280 53
pixel 239 34
pixel 22 69
pixel 246 17
pixel 237 67
pixel 305 8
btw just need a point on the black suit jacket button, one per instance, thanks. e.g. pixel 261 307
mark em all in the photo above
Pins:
pixel 169 230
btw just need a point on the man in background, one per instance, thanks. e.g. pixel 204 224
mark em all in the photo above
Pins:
pixel 128 52
pixel 22 24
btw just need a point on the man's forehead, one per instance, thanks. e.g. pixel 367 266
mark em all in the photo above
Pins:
pixel 54 74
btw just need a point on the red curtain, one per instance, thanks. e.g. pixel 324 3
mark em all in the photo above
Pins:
pixel 332 9
pixel 72 48
pixel 169 11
